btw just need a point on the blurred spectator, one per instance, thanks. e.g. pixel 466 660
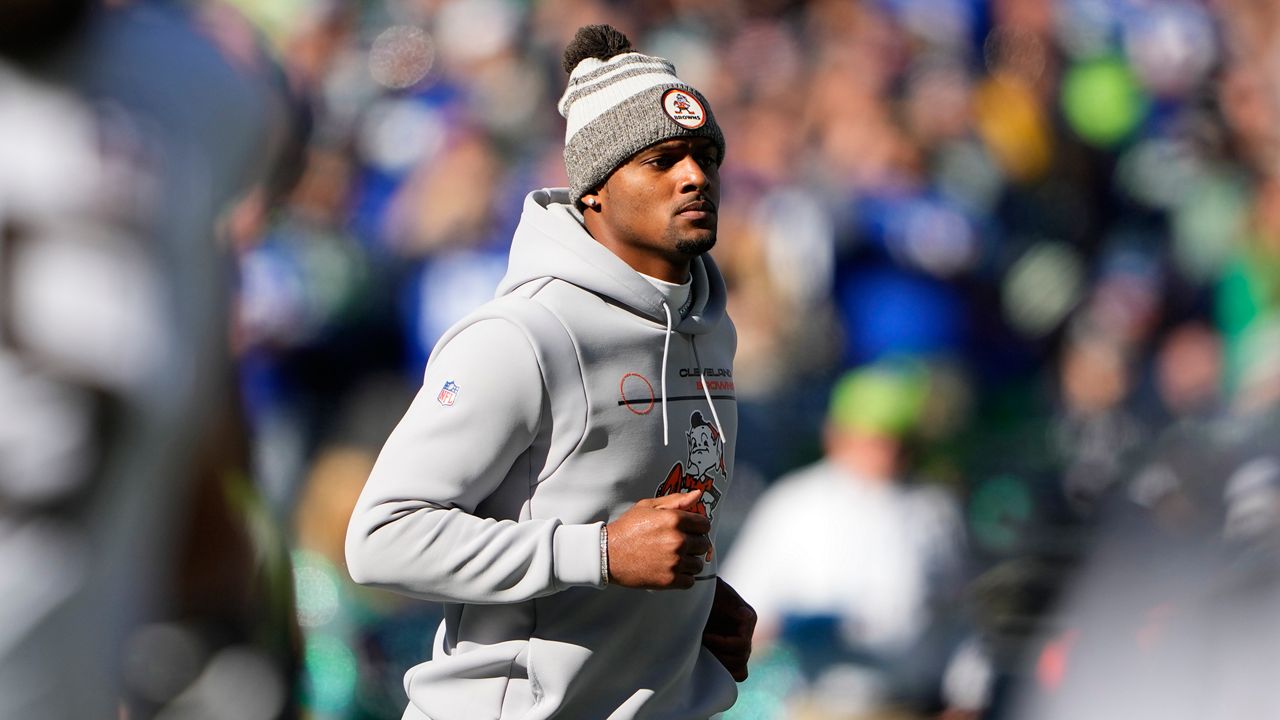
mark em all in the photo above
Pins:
pixel 1094 434
pixel 853 566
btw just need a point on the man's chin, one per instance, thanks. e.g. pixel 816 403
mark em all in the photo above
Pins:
pixel 698 244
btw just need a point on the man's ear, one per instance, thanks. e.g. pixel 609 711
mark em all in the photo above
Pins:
pixel 591 200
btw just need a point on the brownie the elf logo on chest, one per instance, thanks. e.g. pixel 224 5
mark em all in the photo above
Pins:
pixel 703 466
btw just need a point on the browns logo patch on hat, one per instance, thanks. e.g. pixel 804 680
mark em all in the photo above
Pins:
pixel 682 107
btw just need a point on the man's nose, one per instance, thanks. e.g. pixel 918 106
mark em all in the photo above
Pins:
pixel 692 176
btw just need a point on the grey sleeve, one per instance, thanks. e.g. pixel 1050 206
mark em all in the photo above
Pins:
pixel 415 528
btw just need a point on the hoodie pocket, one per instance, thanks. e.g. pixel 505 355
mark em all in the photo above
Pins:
pixel 553 670
pixel 488 682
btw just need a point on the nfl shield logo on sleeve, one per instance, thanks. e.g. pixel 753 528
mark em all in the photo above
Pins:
pixel 448 393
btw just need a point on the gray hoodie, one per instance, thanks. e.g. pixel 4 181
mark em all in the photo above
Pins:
pixel 544 415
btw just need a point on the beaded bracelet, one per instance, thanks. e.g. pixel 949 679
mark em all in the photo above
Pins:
pixel 604 555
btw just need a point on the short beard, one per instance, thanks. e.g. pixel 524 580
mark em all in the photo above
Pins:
pixel 697 246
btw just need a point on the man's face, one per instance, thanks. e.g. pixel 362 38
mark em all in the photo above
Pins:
pixel 658 209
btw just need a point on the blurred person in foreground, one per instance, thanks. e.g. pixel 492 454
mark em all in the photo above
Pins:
pixel 574 438
pixel 1171 614
pixel 125 562
pixel 863 609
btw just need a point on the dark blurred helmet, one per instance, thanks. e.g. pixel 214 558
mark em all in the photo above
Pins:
pixel 30 29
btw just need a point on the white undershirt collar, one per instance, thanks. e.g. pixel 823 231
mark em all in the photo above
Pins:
pixel 677 295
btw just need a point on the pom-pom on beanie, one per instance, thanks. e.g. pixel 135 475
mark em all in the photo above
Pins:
pixel 620 102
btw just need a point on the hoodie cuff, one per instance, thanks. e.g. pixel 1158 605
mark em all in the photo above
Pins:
pixel 577 555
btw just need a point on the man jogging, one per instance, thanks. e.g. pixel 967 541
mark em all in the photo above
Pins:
pixel 554 483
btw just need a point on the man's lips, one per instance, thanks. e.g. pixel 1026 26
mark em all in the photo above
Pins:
pixel 697 209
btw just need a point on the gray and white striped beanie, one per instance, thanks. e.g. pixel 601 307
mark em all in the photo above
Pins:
pixel 621 104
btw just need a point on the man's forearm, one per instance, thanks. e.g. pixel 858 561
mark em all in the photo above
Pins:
pixel 449 555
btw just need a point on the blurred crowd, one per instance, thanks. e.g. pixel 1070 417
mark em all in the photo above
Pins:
pixel 1010 268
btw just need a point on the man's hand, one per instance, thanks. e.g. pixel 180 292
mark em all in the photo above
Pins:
pixel 729 629
pixel 658 544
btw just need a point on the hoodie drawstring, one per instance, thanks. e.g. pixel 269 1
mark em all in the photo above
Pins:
pixel 705 391
pixel 666 346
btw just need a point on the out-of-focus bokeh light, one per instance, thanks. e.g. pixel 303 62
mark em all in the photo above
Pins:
pixel 401 56
pixel 331 675
pixel 1042 286
pixel 315 587
pixel 397 133
pixel 1014 126
pixel 968 176
pixel 1159 171
pixel 1208 222
pixel 969 678
pixel 345 89
pixel 1172 47
pixel 472 30
pixel 1102 100
pixel 1051 665
pixel 935 238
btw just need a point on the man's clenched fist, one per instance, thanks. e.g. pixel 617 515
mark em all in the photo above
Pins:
pixel 659 543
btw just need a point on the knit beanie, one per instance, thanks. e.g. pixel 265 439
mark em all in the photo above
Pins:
pixel 620 102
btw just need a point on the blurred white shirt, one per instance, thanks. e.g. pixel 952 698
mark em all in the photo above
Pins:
pixel 873 554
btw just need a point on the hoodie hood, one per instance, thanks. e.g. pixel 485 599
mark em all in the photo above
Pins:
pixel 551 242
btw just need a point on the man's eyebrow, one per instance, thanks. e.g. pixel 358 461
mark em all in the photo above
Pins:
pixel 679 144
pixel 706 146
pixel 664 146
